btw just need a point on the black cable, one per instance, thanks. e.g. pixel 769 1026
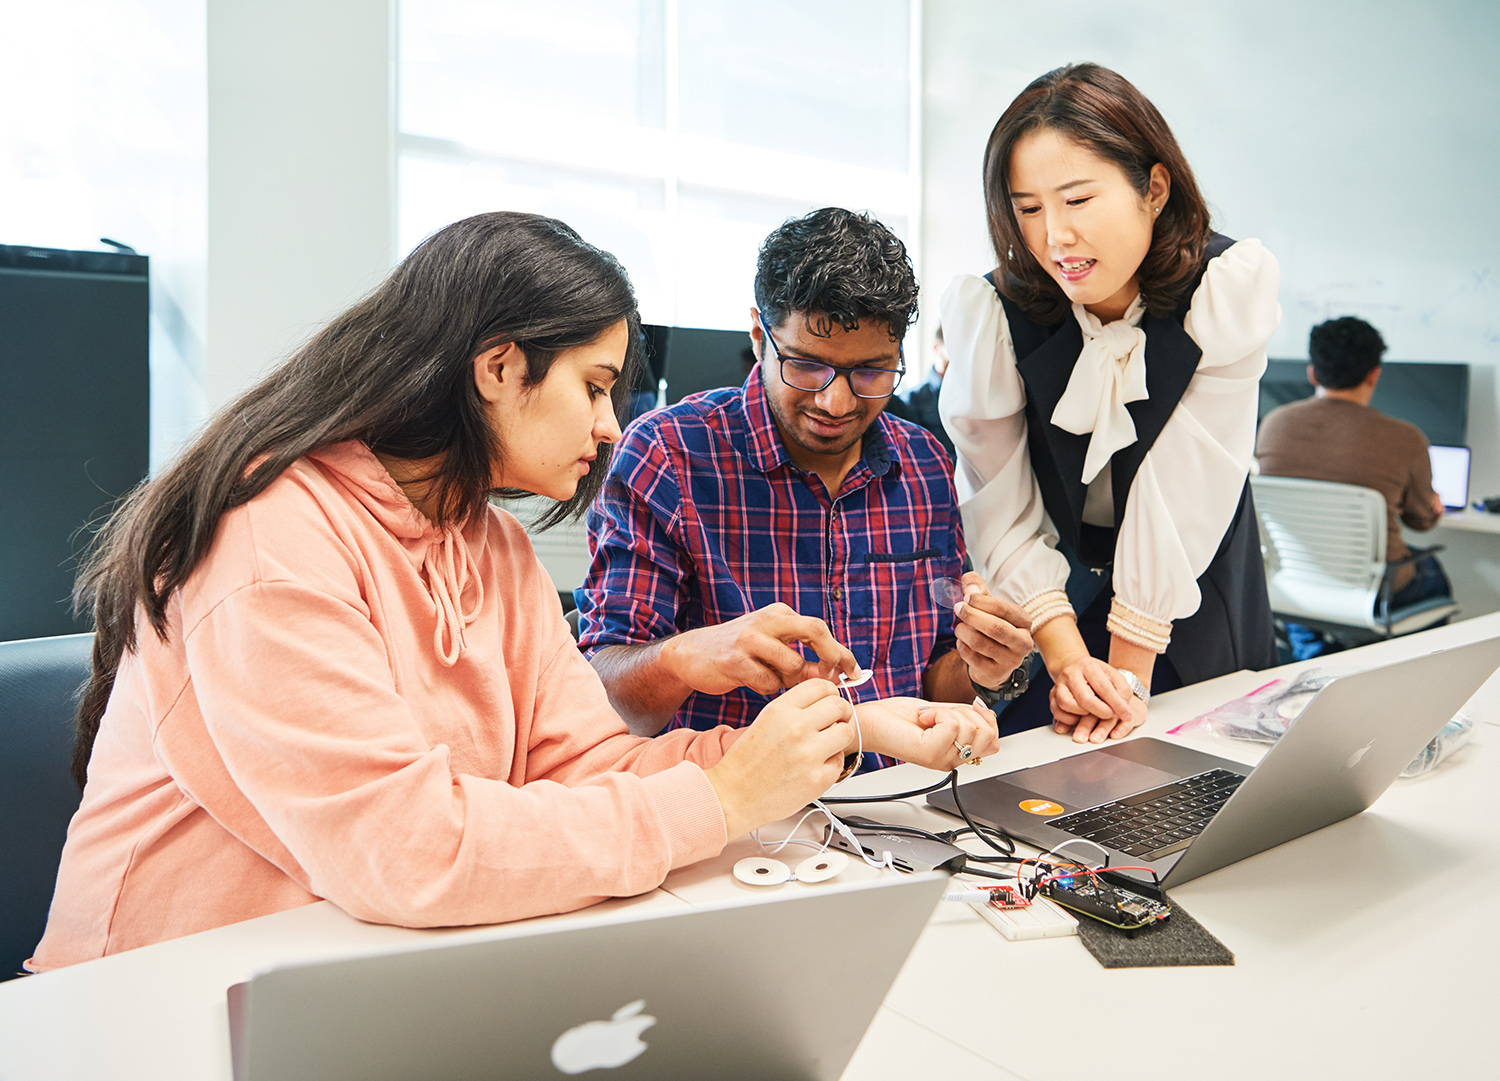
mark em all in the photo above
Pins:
pixel 1009 850
pixel 892 796
pixel 972 858
pixel 855 822
pixel 982 873
pixel 952 837
pixel 983 833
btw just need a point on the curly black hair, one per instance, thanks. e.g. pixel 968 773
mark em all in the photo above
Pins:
pixel 836 266
pixel 1344 351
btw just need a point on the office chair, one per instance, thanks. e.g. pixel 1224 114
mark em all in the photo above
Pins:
pixel 1324 547
pixel 39 682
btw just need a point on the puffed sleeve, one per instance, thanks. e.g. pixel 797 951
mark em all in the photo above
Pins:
pixel 1011 540
pixel 1187 490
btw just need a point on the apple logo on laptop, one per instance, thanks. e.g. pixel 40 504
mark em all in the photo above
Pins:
pixel 1357 755
pixel 601 1045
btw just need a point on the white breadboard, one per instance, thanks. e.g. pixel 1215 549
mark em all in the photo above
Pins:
pixel 1040 919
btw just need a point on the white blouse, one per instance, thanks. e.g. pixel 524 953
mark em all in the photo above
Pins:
pixel 1187 489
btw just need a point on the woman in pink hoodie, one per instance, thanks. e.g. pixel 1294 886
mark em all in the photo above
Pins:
pixel 326 667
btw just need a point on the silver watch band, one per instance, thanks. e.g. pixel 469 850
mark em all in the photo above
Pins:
pixel 1137 688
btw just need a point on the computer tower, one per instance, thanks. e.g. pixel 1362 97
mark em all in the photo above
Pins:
pixel 74 419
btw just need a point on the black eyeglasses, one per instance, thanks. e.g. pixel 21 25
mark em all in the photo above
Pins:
pixel 814 375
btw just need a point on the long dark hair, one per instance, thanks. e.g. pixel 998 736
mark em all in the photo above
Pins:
pixel 396 371
pixel 1103 111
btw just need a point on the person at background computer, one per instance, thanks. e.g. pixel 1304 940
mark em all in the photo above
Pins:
pixel 1335 435
pixel 920 404
pixel 743 524
pixel 326 667
pixel 1102 399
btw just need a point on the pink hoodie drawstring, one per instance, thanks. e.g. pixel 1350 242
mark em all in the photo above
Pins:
pixel 447 578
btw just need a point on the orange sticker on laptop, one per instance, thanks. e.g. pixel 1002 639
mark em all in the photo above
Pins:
pixel 1040 807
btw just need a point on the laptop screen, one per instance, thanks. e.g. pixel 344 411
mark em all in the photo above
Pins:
pixel 1450 475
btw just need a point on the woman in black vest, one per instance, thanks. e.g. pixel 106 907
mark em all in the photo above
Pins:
pixel 1102 400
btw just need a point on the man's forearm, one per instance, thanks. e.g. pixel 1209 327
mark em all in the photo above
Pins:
pixel 947 680
pixel 640 686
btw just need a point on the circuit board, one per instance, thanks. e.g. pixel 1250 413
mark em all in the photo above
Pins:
pixel 1118 907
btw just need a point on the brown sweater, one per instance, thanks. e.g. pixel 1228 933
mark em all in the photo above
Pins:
pixel 1332 439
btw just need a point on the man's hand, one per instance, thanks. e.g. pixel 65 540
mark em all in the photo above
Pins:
pixel 755 651
pixel 994 636
pixel 931 734
pixel 789 756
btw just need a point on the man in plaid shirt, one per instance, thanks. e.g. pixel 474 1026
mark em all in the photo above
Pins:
pixel 749 538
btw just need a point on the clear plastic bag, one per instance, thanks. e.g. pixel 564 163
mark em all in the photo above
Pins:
pixel 1264 715
pixel 1450 738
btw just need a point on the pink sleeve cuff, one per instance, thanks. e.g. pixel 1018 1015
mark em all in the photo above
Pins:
pixel 1045 607
pixel 1138 628
pixel 692 819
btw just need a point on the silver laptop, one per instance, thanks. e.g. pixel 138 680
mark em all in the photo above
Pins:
pixel 1138 798
pixel 773 986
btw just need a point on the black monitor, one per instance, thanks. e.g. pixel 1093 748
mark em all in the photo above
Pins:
pixel 691 359
pixel 74 408
pixel 1434 397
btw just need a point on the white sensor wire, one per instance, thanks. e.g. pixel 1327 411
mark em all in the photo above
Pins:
pixel 1078 841
pixel 887 861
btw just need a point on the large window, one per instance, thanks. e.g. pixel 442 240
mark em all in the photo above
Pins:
pixel 675 133
pixel 103 133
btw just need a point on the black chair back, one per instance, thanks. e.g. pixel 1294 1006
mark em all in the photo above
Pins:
pixel 39 683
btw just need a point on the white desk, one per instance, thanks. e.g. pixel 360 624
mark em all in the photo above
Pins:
pixel 1471 521
pixel 1470 555
pixel 1365 949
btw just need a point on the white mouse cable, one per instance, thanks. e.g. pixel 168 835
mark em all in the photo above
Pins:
pixel 771 848
pixel 1078 841
pixel 886 862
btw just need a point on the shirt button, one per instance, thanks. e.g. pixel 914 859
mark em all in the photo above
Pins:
pixel 838 594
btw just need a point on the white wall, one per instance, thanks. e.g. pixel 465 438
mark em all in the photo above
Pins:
pixel 1359 139
pixel 301 208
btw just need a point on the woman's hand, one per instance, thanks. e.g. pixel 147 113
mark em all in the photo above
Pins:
pixel 791 754
pixel 931 734
pixel 1091 700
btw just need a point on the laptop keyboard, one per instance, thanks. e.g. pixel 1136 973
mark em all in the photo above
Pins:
pixel 1158 822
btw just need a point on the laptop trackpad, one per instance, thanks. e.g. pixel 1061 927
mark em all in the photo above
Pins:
pixel 1088 779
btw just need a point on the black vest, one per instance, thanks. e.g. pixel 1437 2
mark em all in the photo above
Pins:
pixel 1232 628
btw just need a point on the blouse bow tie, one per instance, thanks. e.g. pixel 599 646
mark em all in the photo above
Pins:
pixel 1110 372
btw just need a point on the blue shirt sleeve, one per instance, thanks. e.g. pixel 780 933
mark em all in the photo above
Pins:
pixel 634 590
